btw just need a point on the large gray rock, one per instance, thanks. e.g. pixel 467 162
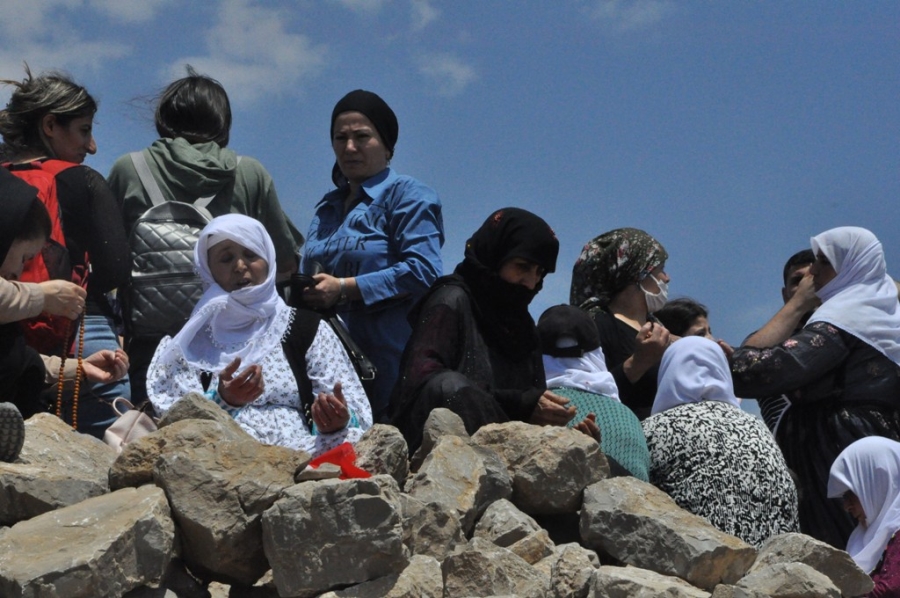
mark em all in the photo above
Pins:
pixel 632 582
pixel 534 548
pixel 134 466
pixel 506 526
pixel 571 571
pixel 441 422
pixel 485 569
pixel 431 529
pixel 790 580
pixel 194 405
pixel 219 486
pixel 382 450
pixel 103 546
pixel 833 563
pixel 642 526
pixel 420 579
pixel 322 535
pixel 499 483
pixel 57 467
pixel 550 466
pixel 455 476
pixel 725 591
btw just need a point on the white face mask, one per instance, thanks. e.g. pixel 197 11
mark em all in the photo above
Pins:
pixel 656 301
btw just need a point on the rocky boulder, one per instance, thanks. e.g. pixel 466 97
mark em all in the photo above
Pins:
pixel 639 525
pixel 57 467
pixel 550 466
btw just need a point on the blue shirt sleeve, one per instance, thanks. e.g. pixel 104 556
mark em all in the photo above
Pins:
pixel 415 230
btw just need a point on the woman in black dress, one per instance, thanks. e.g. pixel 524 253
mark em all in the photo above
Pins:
pixel 841 372
pixel 474 347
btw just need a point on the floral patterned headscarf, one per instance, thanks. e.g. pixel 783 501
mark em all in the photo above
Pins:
pixel 611 262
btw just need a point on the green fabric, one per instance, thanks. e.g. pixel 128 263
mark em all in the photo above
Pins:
pixel 621 435
pixel 187 172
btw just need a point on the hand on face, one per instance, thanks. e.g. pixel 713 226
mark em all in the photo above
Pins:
pixel 330 412
pixel 246 387
pixel 805 297
pixel 552 410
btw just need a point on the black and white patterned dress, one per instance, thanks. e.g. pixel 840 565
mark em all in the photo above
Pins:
pixel 722 464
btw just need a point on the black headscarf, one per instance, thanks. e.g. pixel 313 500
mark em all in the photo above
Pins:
pixel 376 110
pixel 567 331
pixel 502 307
pixel 21 368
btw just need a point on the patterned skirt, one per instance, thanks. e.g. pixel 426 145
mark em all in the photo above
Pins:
pixel 722 464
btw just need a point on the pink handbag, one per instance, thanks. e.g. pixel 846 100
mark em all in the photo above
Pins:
pixel 131 425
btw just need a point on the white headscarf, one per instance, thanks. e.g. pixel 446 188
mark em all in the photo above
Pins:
pixel 870 468
pixel 226 325
pixel 693 369
pixel 862 298
pixel 587 372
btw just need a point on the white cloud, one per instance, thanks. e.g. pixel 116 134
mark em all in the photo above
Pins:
pixel 36 32
pixel 252 54
pixel 448 73
pixel 628 15
pixel 133 11
pixel 363 6
pixel 424 13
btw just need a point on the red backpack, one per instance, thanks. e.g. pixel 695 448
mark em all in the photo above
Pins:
pixel 50 335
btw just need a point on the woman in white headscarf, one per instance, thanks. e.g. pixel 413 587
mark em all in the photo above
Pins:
pixel 298 389
pixel 713 459
pixel 867 476
pixel 841 372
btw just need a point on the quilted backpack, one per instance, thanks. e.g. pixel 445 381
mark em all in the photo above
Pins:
pixel 50 335
pixel 164 287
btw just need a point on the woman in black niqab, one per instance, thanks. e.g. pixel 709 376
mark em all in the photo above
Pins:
pixel 474 347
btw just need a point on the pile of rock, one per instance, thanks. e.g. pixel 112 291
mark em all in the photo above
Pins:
pixel 201 509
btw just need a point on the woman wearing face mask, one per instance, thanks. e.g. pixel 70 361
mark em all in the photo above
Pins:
pixel 620 280
pixel 48 118
pixel 474 347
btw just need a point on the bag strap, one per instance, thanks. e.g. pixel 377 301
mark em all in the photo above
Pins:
pixel 364 367
pixel 303 331
pixel 152 187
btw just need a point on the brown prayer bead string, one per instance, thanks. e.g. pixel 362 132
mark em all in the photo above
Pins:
pixel 79 371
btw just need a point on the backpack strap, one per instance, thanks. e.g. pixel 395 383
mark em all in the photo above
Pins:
pixel 152 187
pixel 147 180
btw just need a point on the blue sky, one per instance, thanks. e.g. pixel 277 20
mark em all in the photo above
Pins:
pixel 731 131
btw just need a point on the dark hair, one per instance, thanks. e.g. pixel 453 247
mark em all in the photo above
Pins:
pixel 34 98
pixel 801 258
pixel 196 108
pixel 679 314
pixel 36 223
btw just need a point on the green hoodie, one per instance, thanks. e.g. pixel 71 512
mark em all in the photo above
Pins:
pixel 187 172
